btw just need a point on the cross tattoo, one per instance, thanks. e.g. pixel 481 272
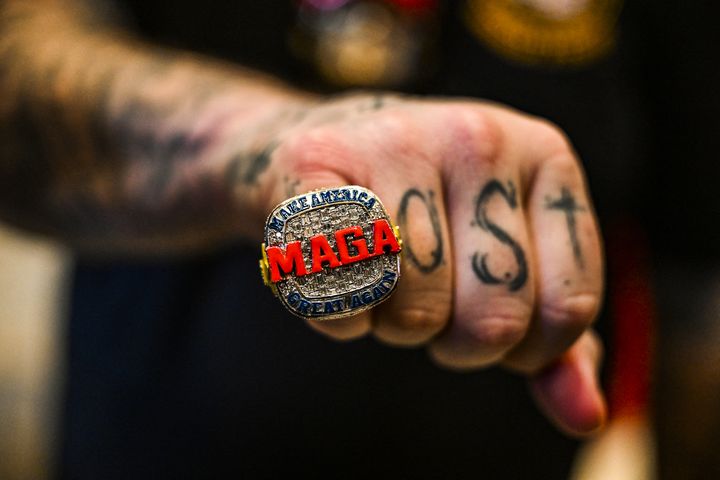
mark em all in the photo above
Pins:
pixel 567 204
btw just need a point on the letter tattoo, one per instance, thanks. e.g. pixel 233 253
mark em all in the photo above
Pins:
pixel 567 204
pixel 479 261
pixel 428 203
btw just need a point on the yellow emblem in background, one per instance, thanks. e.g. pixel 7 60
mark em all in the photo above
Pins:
pixel 550 32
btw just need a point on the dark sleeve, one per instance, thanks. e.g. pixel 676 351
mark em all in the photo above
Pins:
pixel 248 32
pixel 677 61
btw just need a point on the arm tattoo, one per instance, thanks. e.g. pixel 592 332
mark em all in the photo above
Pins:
pixel 374 102
pixel 567 204
pixel 258 163
pixel 291 186
pixel 103 136
pixel 479 260
pixel 378 101
pixel 428 202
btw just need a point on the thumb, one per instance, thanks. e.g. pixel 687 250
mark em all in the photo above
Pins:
pixel 568 391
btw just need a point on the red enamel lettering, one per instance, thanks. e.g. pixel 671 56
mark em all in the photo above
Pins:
pixel 359 243
pixel 282 263
pixel 384 236
pixel 285 262
pixel 321 252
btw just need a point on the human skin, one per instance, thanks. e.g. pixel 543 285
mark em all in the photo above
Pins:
pixel 121 148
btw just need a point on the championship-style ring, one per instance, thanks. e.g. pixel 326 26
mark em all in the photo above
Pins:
pixel 331 253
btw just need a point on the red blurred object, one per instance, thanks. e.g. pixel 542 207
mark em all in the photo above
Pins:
pixel 415 6
pixel 632 306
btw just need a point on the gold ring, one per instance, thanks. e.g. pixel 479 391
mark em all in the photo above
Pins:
pixel 331 253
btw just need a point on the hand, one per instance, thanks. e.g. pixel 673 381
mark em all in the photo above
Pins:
pixel 502 260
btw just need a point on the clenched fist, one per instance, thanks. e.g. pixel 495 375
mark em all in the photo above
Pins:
pixel 502 255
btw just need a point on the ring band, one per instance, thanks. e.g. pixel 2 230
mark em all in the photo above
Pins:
pixel 331 253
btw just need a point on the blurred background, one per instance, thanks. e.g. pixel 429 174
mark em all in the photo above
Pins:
pixel 664 389
pixel 32 297
pixel 33 294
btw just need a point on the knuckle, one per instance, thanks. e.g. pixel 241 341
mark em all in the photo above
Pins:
pixel 474 133
pixel 399 135
pixel 397 123
pixel 343 329
pixel 497 333
pixel 420 320
pixel 414 324
pixel 318 149
pixel 565 165
pixel 574 313
pixel 552 139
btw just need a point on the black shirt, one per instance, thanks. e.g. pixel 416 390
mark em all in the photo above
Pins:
pixel 191 369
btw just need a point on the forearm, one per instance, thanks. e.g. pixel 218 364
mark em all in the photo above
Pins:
pixel 112 144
